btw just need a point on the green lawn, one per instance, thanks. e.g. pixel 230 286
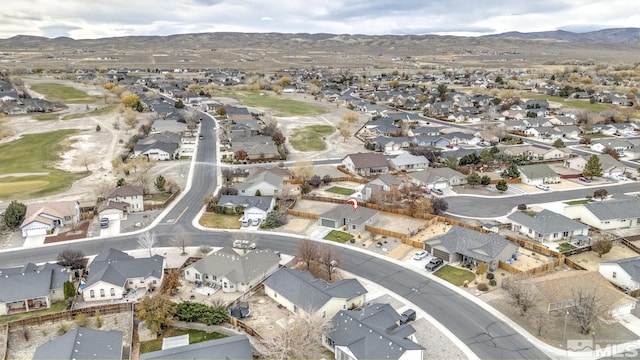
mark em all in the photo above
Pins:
pixel 455 275
pixel 310 138
pixel 281 106
pixel 565 247
pixel 195 336
pixel 220 221
pixel 46 117
pixel 340 190
pixel 569 103
pixel 338 236
pixel 97 112
pixel 577 202
pixel 65 93
pixel 35 153
pixel 597 136
pixel 56 307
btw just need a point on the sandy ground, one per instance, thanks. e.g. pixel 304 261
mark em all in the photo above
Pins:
pixel 591 261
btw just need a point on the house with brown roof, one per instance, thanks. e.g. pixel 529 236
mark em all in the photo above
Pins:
pixel 45 218
pixel 559 291
pixel 366 164
pixel 132 195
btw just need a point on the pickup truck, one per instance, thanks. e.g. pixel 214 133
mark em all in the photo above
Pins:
pixel 433 264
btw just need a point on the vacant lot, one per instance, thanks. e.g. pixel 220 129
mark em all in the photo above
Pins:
pixel 65 93
pixel 310 138
pixel 97 112
pixel 591 261
pixel 281 106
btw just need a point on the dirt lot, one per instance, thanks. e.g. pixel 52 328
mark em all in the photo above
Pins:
pixel 590 260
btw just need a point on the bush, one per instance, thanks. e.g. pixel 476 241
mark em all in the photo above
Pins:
pixel 490 276
pixel 465 283
pixel 493 282
pixel 522 207
pixel 82 320
pixel 63 329
pixel 483 287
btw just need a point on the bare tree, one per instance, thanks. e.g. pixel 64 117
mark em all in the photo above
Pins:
pixel 182 241
pixel 308 252
pixel 601 193
pixel 303 169
pixel 227 174
pixel 328 261
pixel 147 240
pixel 521 291
pixel 142 171
pixel 539 319
pixel 71 258
pixel 586 309
pixel 602 246
pixel 299 339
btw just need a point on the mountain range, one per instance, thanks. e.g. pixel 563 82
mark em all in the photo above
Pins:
pixel 617 35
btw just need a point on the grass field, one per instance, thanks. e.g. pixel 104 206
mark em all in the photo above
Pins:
pixel 310 138
pixel 56 307
pixel 569 103
pixel 340 190
pixel 65 93
pixel 281 106
pixel 455 275
pixel 46 117
pixel 34 153
pixel 338 236
pixel 220 221
pixel 98 112
pixel 195 336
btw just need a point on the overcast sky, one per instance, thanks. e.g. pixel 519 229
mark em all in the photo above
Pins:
pixel 82 19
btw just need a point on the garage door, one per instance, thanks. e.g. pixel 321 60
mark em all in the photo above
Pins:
pixel 329 223
pixel 110 216
pixel 621 310
pixel 440 185
pixel 35 232
pixel 441 254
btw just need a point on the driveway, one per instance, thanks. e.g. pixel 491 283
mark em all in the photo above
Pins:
pixel 112 230
pixel 34 241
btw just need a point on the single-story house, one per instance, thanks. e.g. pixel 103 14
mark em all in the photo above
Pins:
pixel 264 183
pixel 408 162
pixel 618 212
pixel 345 215
pixel 82 343
pixel 235 347
pixel 609 165
pixel 132 195
pixel 299 292
pixel 464 245
pixel 372 333
pixel 366 164
pixel 113 272
pixel 383 183
pixel 438 178
pixel 44 218
pixel 157 150
pixel 33 287
pixel 233 271
pixel 538 174
pixel 252 207
pixel 624 273
pixel 546 225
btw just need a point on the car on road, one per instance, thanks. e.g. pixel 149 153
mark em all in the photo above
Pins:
pixel 437 191
pixel 104 222
pixel 584 179
pixel 543 187
pixel 420 255
pixel 201 136
pixel 433 264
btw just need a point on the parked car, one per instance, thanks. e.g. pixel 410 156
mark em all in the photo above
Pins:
pixel 245 222
pixel 433 264
pixel 104 222
pixel 255 221
pixel 584 179
pixel 437 191
pixel 407 315
pixel 420 255
pixel 620 177
pixel 543 187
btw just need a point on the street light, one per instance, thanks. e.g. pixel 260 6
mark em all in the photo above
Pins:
pixel 593 344
pixel 564 332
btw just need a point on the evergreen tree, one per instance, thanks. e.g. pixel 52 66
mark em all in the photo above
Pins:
pixel 592 167
pixel 14 214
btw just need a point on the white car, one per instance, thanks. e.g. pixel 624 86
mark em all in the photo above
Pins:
pixel 620 177
pixel 543 187
pixel 420 255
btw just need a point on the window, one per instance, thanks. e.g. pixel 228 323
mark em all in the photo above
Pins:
pixel 92 294
pixel 530 231
pixel 112 292
pixel 154 282
pixel 225 284
pixel 101 292
pixel 324 313
pixel 295 309
pixel 565 234
pixel 197 276
pixel 555 235
pixel 187 272
pixel 614 274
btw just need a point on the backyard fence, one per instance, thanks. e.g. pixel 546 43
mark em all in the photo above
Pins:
pixel 385 232
pixel 71 314
pixel 302 214
pixel 164 203
pixel 246 328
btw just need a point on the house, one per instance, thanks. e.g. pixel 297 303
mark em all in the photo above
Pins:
pixel 235 347
pixel 366 164
pixel 252 207
pixel 44 218
pixel 372 333
pixel 546 226
pixel 559 291
pixel 383 183
pixel 264 183
pixel 408 162
pixel 438 178
pixel 33 287
pixel 113 210
pixel 464 245
pixel 159 146
pixel 538 174
pixel 132 195
pixel 82 343
pixel 299 292
pixel 344 215
pixel 609 165
pixel 623 273
pixel 113 273
pixel 617 213
pixel 231 271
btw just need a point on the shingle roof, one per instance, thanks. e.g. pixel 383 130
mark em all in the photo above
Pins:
pixel 538 171
pixel 235 267
pixel 408 159
pixel 630 265
pixel 117 269
pixel 265 176
pixel 432 175
pixel 346 211
pixel 82 343
pixel 373 332
pixel 58 209
pixel 125 190
pixel 233 347
pixel 261 202
pixel 368 160
pixel 546 222
pixel 309 293
pixel 624 208
pixel 474 244
pixel 31 281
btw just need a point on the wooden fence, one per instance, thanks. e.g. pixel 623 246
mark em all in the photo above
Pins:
pixel 4 334
pixel 71 314
pixel 163 204
pixel 385 232
pixel 504 266
pixel 630 245
pixel 573 265
pixel 302 214
pixel 246 328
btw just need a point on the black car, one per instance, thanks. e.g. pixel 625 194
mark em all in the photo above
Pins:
pixel 104 222
pixel 407 315
pixel 433 264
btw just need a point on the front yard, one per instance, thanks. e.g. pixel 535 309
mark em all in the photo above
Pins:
pixel 220 221
pixel 455 275
pixel 338 236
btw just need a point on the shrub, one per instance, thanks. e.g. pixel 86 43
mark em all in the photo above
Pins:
pixel 63 329
pixel 99 320
pixel 82 320
pixel 493 282
pixel 490 276
pixel 465 283
pixel 522 207
pixel 483 287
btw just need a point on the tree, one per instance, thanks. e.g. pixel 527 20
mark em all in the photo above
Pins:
pixel 196 312
pixel 470 159
pixel 439 206
pixel 421 206
pixel 14 214
pixel 299 339
pixel 485 180
pixel 315 181
pixel 521 292
pixel 160 183
pixel 227 174
pixel 302 170
pixel 170 283
pixel 601 246
pixel 182 241
pixel 240 155
pixel 307 252
pixel 71 258
pixel 69 289
pixel 558 143
pixel 586 309
pixel 592 167
pixel 511 172
pixel 147 240
pixel 98 128
pixel 327 178
pixel 131 101
pixel 473 179
pixel 328 261
pixel 442 92
pixel 611 151
pixel 179 104
pixel 601 194
pixel 350 118
pixel 502 186
pixel 156 312
pixel 482 268
pixel 142 171
pixel 344 129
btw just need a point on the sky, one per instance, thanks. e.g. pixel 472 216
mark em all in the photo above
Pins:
pixel 82 19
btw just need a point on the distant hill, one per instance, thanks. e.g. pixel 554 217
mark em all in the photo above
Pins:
pixel 610 36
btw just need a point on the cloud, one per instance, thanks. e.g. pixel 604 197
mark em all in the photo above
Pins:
pixel 266 18
pixel 54 31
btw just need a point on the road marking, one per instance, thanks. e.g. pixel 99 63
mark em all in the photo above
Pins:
pixel 182 213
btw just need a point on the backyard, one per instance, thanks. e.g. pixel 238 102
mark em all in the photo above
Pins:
pixel 282 107
pixel 340 190
pixel 195 336
pixel 569 103
pixel 310 138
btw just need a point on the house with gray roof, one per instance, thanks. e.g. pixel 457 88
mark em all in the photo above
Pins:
pixel 624 273
pixel 235 347
pixel 366 164
pixel 438 178
pixel 609 165
pixel 546 226
pixel 538 174
pixel 344 215
pixel 158 146
pixel 232 270
pixel 619 212
pixel 383 183
pixel 265 183
pixel 33 287
pixel 372 333
pixel 464 245
pixel 82 344
pixel 408 162
pixel 251 207
pixel 300 292
pixel 132 195
pixel 113 273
